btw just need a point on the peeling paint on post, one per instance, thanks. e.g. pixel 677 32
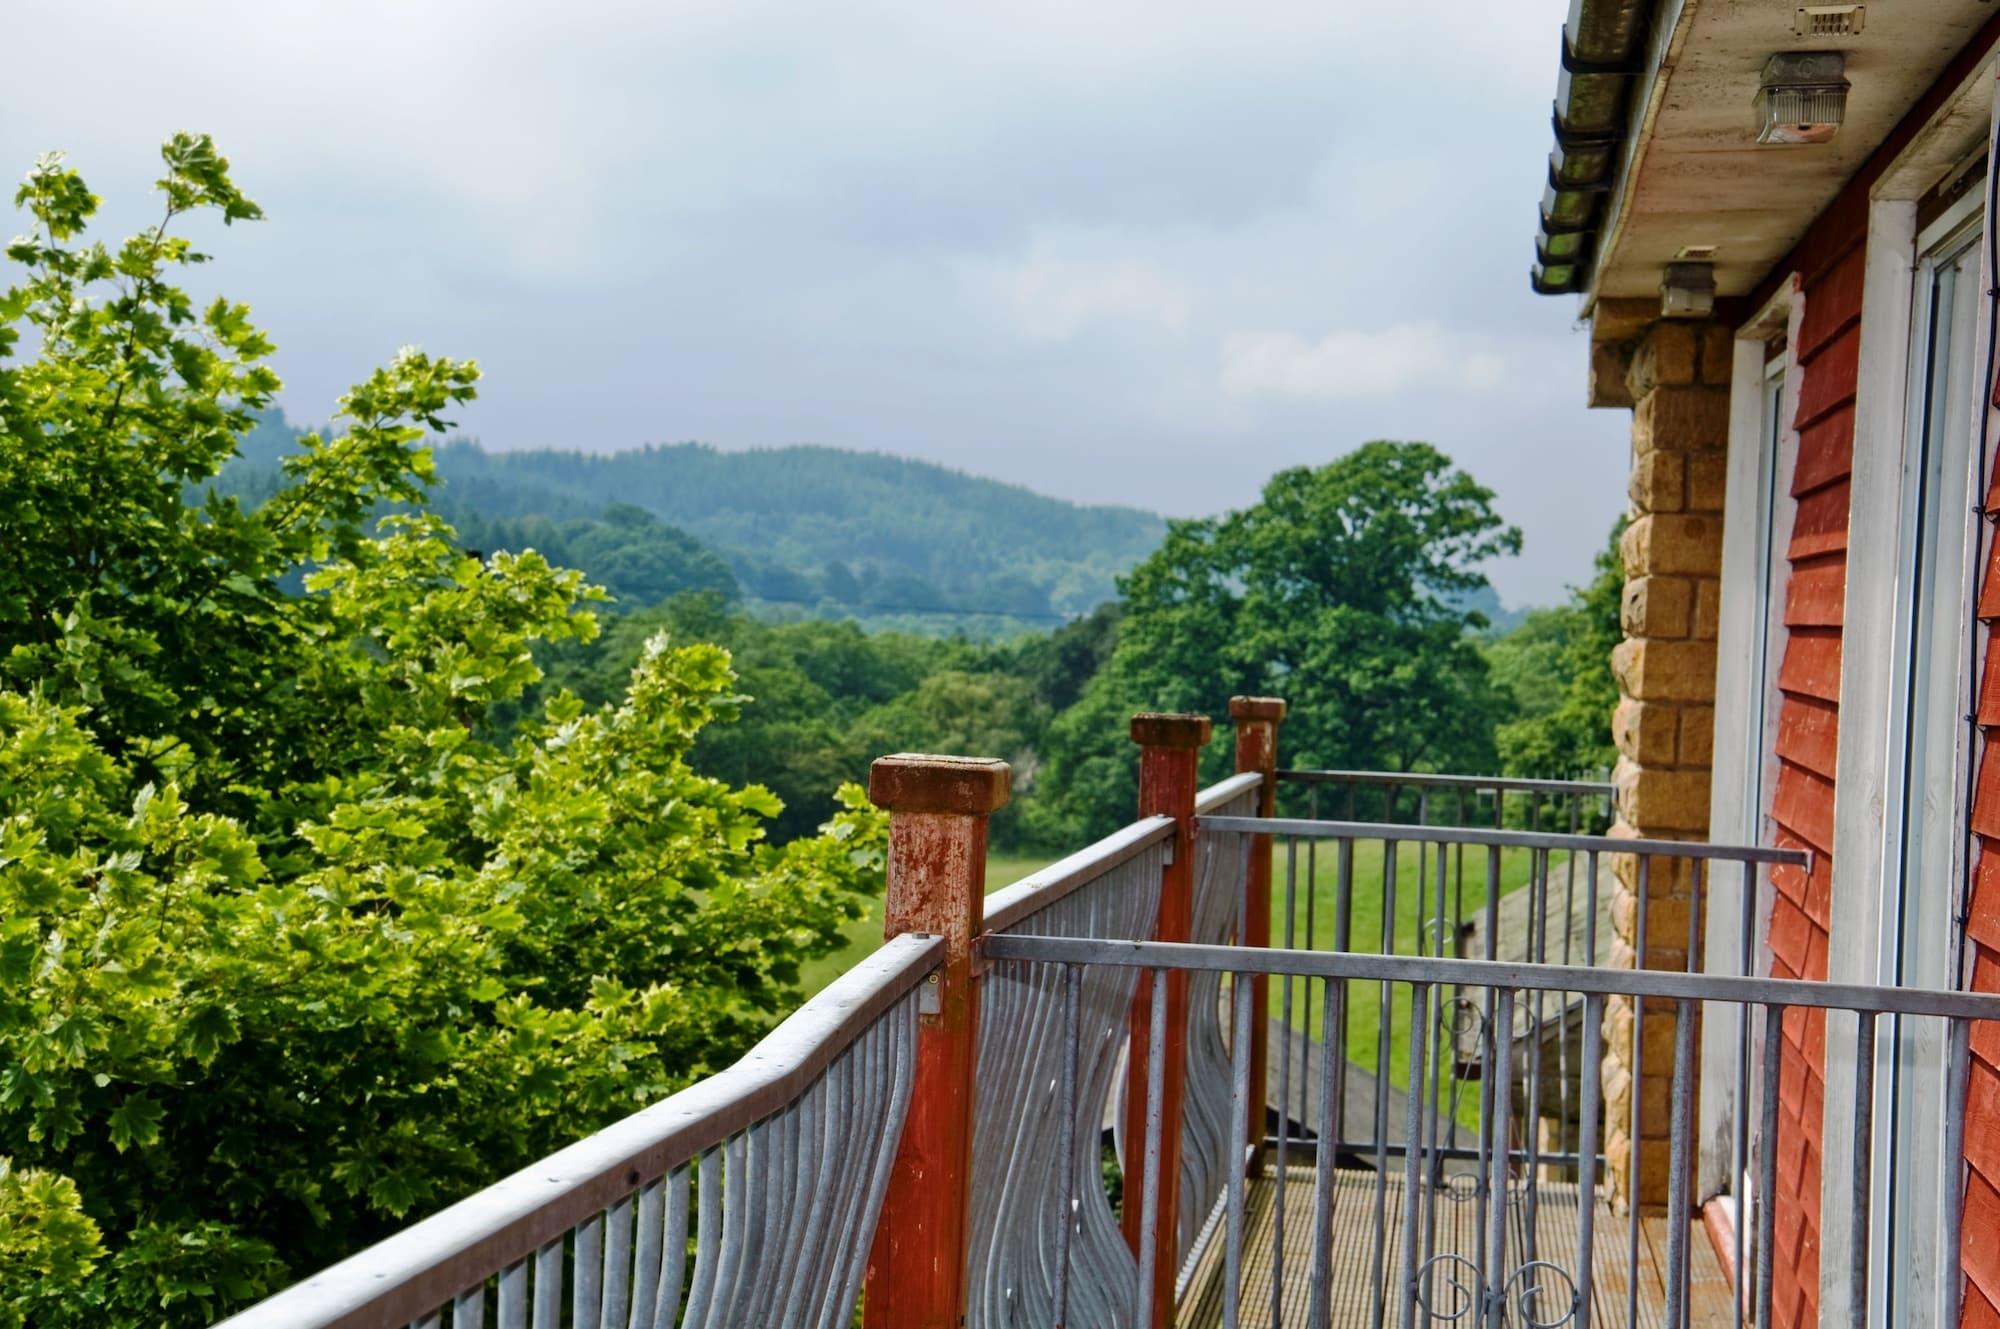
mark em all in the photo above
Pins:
pixel 938 808
pixel 1170 753
pixel 1257 720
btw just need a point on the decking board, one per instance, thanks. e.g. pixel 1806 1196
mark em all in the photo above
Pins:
pixel 1355 1201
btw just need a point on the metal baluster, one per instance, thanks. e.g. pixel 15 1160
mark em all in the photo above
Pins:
pixel 1433 1013
pixel 1239 1125
pixel 1538 953
pixel 707 1239
pixel 548 1285
pixel 1324 1161
pixel 1586 1150
pixel 618 1263
pixel 1632 1170
pixel 584 1296
pixel 1496 1219
pixel 1343 940
pixel 673 1261
pixel 1958 1067
pixel 1767 1162
pixel 1489 1049
pixel 513 1296
pixel 1285 1086
pixel 1590 918
pixel 1739 1143
pixel 1863 1166
pixel 1413 1149
pixel 646 1264
pixel 1149 1203
pixel 1381 1250
pixel 1066 1134
pixel 1679 1201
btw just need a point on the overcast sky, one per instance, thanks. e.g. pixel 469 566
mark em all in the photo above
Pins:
pixel 1132 251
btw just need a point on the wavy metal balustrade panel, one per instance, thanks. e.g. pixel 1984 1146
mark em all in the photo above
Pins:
pixel 1041 1097
pixel 1222 866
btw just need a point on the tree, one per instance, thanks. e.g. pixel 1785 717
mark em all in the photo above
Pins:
pixel 1342 589
pixel 1557 668
pixel 294 943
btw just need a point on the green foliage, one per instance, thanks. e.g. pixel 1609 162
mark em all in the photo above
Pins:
pixel 901 543
pixel 1344 590
pixel 1557 668
pixel 310 919
pixel 638 559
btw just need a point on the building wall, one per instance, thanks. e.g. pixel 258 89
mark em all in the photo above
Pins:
pixel 1828 357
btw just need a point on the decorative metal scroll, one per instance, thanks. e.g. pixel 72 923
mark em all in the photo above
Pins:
pixel 1221 862
pixel 1021 1186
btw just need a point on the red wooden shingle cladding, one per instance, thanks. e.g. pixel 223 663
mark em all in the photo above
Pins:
pixel 1828 355
pixel 1981 1246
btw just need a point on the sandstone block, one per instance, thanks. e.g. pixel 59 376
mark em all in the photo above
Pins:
pixel 1658 670
pixel 1681 419
pixel 1707 481
pixel 1657 607
pixel 1646 731
pixel 1663 800
pixel 1697 736
pixel 1672 542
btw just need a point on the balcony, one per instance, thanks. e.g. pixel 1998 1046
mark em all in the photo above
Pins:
pixel 1225 1067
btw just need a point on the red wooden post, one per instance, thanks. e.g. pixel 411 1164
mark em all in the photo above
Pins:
pixel 1257 720
pixel 938 808
pixel 1170 751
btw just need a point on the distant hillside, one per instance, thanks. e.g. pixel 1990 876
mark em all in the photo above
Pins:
pixel 803 530
pixel 813 526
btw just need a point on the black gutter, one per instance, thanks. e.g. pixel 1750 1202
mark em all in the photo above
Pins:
pixel 1603 51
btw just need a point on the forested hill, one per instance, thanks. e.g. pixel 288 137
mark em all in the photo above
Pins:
pixel 804 529
pixel 804 524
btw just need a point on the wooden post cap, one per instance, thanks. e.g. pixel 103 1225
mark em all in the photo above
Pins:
pixel 920 782
pixel 1153 729
pixel 1257 708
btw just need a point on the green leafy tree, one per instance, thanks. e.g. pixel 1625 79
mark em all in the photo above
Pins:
pixel 1343 589
pixel 1557 668
pixel 296 939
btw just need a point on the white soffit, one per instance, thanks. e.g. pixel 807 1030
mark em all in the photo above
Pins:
pixel 1702 179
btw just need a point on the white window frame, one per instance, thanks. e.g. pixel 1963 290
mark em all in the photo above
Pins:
pixel 1750 651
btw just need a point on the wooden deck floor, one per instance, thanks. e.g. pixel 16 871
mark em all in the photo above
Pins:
pixel 1353 1257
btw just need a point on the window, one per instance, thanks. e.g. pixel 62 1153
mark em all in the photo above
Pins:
pixel 1928 736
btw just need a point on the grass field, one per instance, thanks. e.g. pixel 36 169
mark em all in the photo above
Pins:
pixel 1415 904
pixel 1316 891
pixel 865 934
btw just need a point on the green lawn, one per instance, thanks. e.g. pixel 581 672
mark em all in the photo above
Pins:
pixel 1416 901
pixel 865 934
pixel 1416 904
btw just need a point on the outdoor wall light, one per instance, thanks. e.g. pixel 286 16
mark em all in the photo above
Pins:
pixel 1688 290
pixel 1801 97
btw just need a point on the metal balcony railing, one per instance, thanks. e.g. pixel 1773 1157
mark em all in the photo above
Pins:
pixel 1421 1244
pixel 1102 1097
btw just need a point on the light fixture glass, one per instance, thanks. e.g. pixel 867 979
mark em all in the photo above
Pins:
pixel 1801 97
